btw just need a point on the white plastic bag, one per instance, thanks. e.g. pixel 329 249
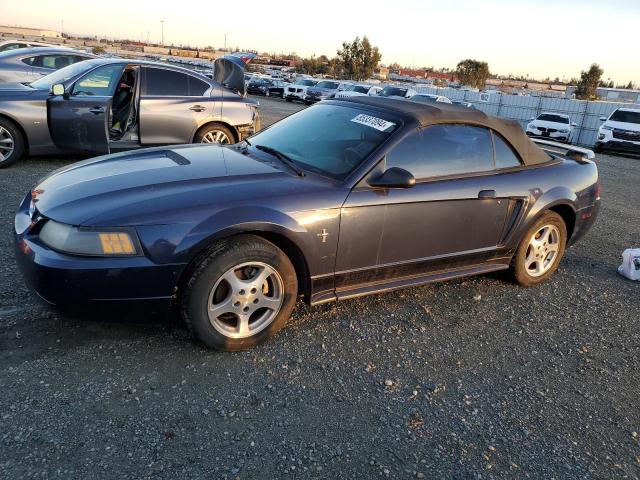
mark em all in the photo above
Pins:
pixel 630 267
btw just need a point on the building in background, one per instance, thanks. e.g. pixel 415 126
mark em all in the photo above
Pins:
pixel 24 32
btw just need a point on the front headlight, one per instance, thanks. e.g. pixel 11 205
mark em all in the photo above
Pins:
pixel 606 127
pixel 82 241
pixel 532 126
pixel 566 130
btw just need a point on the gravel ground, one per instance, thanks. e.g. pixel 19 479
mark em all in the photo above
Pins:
pixel 475 378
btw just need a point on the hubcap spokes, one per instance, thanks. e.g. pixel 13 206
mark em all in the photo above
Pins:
pixel 245 299
pixel 542 250
pixel 6 144
pixel 215 136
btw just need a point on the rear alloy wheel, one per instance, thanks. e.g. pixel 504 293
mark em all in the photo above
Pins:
pixel 541 250
pixel 11 143
pixel 215 134
pixel 240 294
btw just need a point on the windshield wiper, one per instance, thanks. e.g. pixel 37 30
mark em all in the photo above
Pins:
pixel 283 158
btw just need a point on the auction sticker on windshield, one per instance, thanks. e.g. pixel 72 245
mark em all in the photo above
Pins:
pixel 373 122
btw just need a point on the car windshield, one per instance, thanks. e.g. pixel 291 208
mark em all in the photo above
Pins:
pixel 549 117
pixel 393 92
pixel 331 140
pixel 62 75
pixel 625 116
pixel 306 83
pixel 329 85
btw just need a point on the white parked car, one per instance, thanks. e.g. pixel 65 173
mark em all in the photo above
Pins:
pixel 393 91
pixel 429 98
pixel 359 90
pixel 555 126
pixel 7 45
pixel 620 132
pixel 298 89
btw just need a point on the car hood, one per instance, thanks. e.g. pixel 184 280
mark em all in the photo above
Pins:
pixel 321 91
pixel 547 124
pixel 148 186
pixel 633 127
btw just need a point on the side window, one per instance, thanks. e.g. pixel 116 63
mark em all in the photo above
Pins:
pixel 100 82
pixel 165 83
pixel 505 156
pixel 455 150
pixel 442 150
pixel 49 61
pixel 197 87
pixel 408 155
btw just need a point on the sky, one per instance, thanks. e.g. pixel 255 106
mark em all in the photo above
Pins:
pixel 540 38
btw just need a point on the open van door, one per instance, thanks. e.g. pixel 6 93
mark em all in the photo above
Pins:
pixel 229 71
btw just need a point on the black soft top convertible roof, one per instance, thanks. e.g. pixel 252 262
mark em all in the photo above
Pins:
pixel 438 113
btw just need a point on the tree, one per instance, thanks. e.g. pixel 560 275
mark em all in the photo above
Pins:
pixel 473 73
pixel 359 58
pixel 98 50
pixel 588 83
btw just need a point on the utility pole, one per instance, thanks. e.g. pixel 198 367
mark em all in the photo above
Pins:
pixel 62 27
pixel 162 26
pixel 225 42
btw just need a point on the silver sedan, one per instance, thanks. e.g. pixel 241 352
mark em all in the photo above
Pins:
pixel 108 104
pixel 29 64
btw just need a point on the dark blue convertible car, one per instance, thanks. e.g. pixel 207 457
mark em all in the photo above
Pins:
pixel 346 198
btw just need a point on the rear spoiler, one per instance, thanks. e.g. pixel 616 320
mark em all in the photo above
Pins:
pixel 229 71
pixel 571 151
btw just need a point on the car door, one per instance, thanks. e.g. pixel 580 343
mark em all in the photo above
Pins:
pixel 172 106
pixel 451 218
pixel 78 120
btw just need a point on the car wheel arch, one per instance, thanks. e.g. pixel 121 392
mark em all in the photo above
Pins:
pixel 270 233
pixel 19 127
pixel 233 129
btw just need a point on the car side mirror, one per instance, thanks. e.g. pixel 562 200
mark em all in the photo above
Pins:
pixel 574 124
pixel 394 177
pixel 532 119
pixel 603 119
pixel 57 89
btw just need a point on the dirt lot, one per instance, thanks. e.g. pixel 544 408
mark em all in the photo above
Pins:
pixel 476 378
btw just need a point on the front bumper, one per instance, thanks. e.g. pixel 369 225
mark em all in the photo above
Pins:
pixel 72 281
pixel 619 146
pixel 563 137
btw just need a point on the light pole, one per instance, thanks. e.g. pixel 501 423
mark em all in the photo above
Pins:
pixel 162 26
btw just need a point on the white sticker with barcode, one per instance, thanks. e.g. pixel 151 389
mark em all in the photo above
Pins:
pixel 373 122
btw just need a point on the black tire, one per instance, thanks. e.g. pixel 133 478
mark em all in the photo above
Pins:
pixel 214 129
pixel 10 131
pixel 209 271
pixel 524 260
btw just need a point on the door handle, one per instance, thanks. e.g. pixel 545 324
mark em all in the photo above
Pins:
pixel 487 194
pixel 197 108
pixel 97 110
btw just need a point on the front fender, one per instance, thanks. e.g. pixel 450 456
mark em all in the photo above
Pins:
pixel 183 242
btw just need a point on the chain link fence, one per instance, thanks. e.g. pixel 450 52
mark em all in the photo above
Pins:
pixel 585 114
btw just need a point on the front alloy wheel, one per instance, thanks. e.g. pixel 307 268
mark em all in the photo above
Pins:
pixel 245 300
pixel 12 145
pixel 238 293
